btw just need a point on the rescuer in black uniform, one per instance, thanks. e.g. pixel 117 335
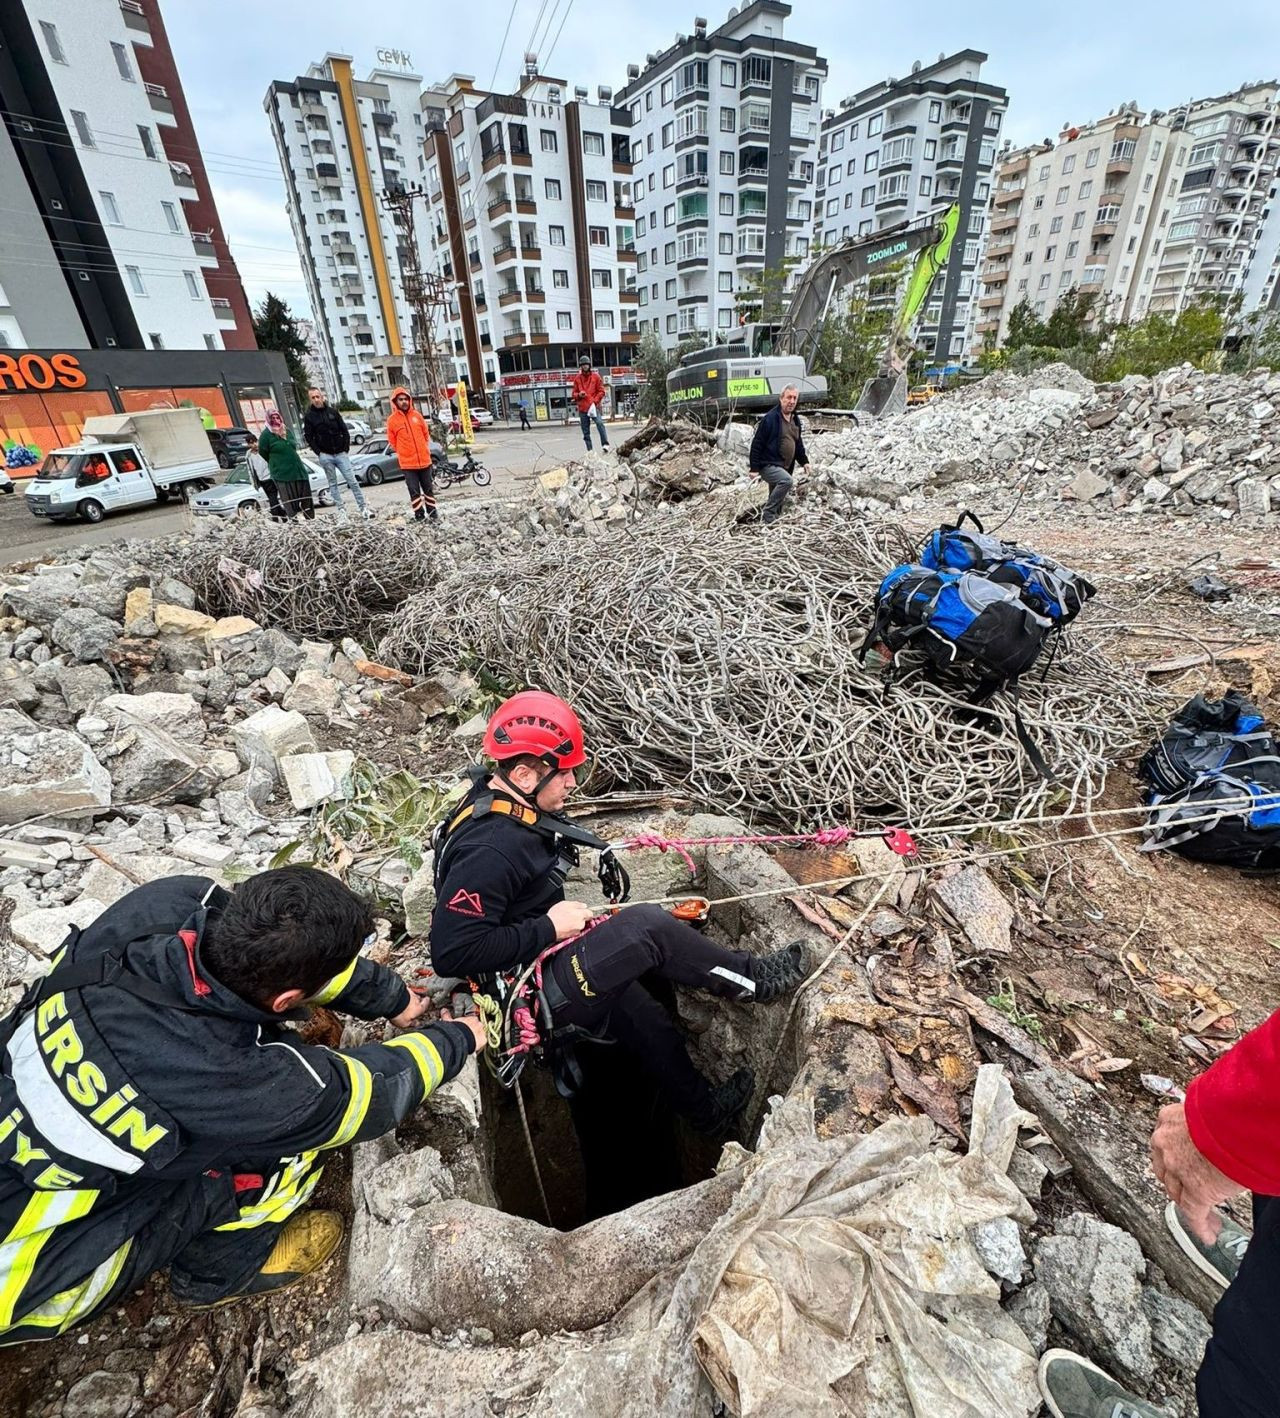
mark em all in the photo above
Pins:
pixel 500 867
pixel 154 1112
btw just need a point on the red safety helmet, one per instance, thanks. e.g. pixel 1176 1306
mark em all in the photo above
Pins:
pixel 539 724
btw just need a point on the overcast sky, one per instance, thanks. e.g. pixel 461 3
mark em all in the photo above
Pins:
pixel 1059 63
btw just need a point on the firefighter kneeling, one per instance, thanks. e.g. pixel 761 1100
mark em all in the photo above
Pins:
pixel 500 865
pixel 154 1112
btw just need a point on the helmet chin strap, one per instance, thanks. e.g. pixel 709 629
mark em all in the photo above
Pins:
pixel 552 772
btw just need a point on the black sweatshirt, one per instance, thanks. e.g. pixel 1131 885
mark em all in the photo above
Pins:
pixel 491 909
pixel 326 430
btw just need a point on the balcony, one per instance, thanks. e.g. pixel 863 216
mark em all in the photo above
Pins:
pixel 1117 165
pixel 222 309
pixel 493 160
pixel 509 297
pixel 502 254
pixel 996 249
pixel 691 260
pixel 1002 196
pixel 529 252
pixel 991 302
pixel 500 207
pixel 629 297
pixel 1014 166
pixel 623 212
pixel 182 176
pixel 625 254
pixel 526 207
pixel 950 157
pixel 135 17
pixel 158 98
pixel 690 180
pixel 537 296
pixel 474 260
pixel 995 275
pixel 513 340
pixel 521 158
pixel 327 169
pixel 987 327
pixel 202 242
pixel 1006 221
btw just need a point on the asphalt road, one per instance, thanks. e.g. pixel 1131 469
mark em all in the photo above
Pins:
pixel 512 456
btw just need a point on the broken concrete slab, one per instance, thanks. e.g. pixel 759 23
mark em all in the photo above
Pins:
pixel 180 620
pixel 270 735
pixel 980 907
pixel 153 767
pixel 203 851
pixel 47 928
pixel 313 693
pixel 83 687
pixel 230 627
pixel 47 771
pixel 315 778
pixel 84 634
pixel 1110 1161
pixel 176 714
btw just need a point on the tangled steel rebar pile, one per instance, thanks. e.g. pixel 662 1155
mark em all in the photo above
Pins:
pixel 313 579
pixel 728 665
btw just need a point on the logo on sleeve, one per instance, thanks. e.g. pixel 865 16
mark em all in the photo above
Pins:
pixel 466 903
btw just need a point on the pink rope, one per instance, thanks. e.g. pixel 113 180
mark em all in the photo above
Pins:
pixel 521 1015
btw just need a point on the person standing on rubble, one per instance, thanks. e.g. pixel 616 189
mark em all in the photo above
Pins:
pixel 776 449
pixel 1223 1141
pixel 288 471
pixel 410 439
pixel 155 1111
pixel 587 393
pixel 500 864
pixel 329 439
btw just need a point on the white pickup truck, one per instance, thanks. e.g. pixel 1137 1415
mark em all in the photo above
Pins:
pixel 124 460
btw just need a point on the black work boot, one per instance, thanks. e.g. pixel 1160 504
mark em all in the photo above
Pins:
pixel 778 973
pixel 727 1100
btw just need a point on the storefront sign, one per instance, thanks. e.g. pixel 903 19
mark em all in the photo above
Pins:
pixel 32 371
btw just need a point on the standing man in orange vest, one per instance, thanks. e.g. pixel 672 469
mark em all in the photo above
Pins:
pixel 410 439
pixel 587 392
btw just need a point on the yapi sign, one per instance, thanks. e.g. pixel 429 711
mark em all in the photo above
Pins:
pixel 19 373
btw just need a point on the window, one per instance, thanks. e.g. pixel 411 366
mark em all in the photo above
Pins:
pixel 171 216
pixel 667 89
pixel 695 204
pixel 668 253
pixel 668 214
pixel 110 212
pixel 593 144
pixel 1068 164
pixel 670 289
pixel 637 151
pixel 193 286
pixel 1091 157
pixel 148 142
pixel 1077 221
pixel 602 280
pixel 875 125
pixel 157 341
pixel 926 186
pixel 517 135
pixel 1086 188
pixel 896 150
pixel 550 140
pixel 560 279
pixel 726 280
pixel 1050 252
pixel 691 121
pixel 724 243
pixel 211 342
pixel 122 61
pixel 598 235
pixel 728 118
pixel 555 236
pixel 970 253
pixel 1044 282
pixel 691 76
pixel 935 112
pixel 1033 231
pixel 669 175
pixel 597 192
pixel 726 163
pixel 1064 279
pixel 871 162
pixel 729 73
pixel 551 186
pixel 1061 199
pixel 52 43
pixel 564 320
pixel 868 196
pixel 83 131
pixel 671 324
pixel 757 70
pixel 837 141
pixel 1043 174
pixel 668 134
pixel 848 200
pixel 726 204
pixel 648 102
pixel 135 280
pixel 1072 248
pixel 724 318
pixel 833 206
pixel 896 185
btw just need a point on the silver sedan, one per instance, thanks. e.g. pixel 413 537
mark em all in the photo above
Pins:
pixel 240 496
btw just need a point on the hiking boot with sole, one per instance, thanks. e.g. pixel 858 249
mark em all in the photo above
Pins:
pixel 1220 1261
pixel 779 973
pixel 728 1100
pixel 1072 1387
pixel 307 1241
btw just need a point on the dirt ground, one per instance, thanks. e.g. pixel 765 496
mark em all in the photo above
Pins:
pixel 1123 963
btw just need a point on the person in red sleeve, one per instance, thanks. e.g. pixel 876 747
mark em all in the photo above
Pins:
pixel 1224 1140
pixel 587 392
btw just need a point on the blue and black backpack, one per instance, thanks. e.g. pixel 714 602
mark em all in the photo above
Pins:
pixel 1214 786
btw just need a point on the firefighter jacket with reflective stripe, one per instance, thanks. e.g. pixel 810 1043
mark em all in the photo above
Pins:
pixel 408 435
pixel 109 1102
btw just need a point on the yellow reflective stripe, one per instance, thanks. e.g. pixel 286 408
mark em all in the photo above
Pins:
pixel 288 1189
pixel 357 1104
pixel 425 1055
pixel 61 1311
pixel 335 987
pixel 21 1247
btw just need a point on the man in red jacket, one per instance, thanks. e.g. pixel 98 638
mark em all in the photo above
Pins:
pixel 1223 1141
pixel 587 392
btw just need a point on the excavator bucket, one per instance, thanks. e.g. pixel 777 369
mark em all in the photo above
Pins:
pixel 883 396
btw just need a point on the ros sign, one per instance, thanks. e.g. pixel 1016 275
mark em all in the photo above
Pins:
pixel 31 371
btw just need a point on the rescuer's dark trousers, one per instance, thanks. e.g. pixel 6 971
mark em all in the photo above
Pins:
pixel 212 1239
pixel 599 976
pixel 1240 1375
pixel 422 493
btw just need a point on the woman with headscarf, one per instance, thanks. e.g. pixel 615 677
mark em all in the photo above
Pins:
pixel 288 471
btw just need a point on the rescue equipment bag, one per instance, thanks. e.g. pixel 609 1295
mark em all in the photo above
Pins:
pixel 1048 587
pixel 1214 786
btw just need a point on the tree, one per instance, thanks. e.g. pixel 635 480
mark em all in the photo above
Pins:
pixel 850 346
pixel 1260 340
pixel 656 363
pixel 1025 327
pixel 1072 323
pixel 275 328
pixel 763 294
pixel 1161 340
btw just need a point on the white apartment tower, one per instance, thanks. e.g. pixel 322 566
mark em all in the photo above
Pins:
pixel 724 138
pixel 529 221
pixel 342 142
pixel 907 148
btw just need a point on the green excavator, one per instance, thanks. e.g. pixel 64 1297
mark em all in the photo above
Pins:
pixel 744 376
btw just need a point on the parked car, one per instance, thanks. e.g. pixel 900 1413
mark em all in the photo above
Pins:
pixel 230 444
pixel 237 495
pixel 6 482
pixel 377 463
pixel 480 418
pixel 358 429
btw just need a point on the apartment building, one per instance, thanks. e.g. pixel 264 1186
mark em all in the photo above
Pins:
pixel 1226 163
pixel 1150 211
pixel 903 149
pixel 342 142
pixel 529 221
pixel 724 140
pixel 109 235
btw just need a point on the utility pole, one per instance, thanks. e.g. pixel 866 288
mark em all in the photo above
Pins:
pixel 428 297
